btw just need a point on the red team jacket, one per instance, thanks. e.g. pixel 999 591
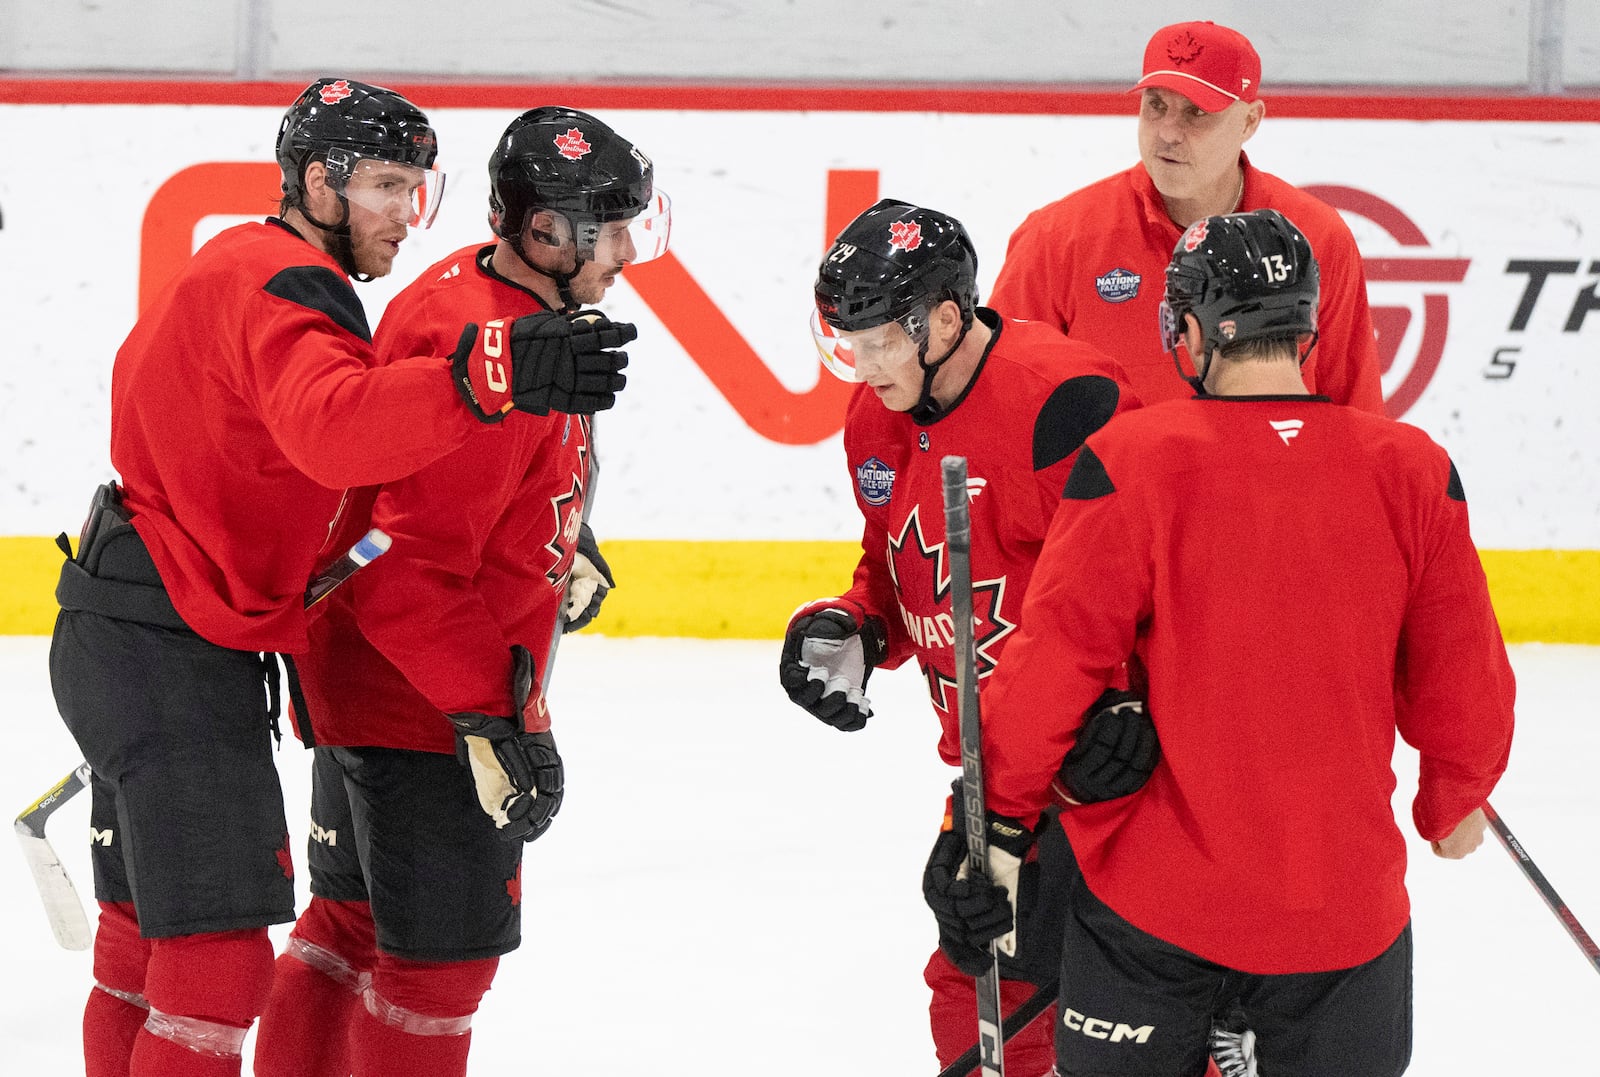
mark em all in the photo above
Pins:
pixel 1094 265
pixel 1298 581
pixel 484 540
pixel 242 405
pixel 1036 396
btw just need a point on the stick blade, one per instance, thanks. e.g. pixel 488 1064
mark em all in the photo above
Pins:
pixel 61 905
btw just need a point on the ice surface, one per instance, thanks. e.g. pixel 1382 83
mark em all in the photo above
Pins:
pixel 733 888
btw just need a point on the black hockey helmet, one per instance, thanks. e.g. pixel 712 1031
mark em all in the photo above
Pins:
pixel 895 263
pixel 569 163
pixel 1244 276
pixel 341 122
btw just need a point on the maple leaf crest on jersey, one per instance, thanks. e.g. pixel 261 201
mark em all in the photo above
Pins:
pixel 921 575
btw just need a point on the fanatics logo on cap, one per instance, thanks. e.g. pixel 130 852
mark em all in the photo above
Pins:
pixel 875 480
pixel 572 144
pixel 335 92
pixel 905 235
pixel 1117 286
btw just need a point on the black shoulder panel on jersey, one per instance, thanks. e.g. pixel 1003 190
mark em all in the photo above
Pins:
pixel 321 289
pixel 1455 491
pixel 1088 479
pixel 1077 408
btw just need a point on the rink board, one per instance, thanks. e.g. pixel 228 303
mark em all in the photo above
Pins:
pixel 725 496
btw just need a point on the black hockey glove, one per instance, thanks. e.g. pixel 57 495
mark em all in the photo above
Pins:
pixel 1114 755
pixel 542 363
pixel 829 651
pixel 588 584
pixel 972 913
pixel 518 773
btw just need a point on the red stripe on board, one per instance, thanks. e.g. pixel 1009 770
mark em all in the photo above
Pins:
pixel 1012 98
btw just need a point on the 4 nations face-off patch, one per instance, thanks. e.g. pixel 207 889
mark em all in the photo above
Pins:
pixel 875 480
pixel 1118 285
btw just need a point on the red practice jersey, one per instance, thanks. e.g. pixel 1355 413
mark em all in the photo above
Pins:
pixel 1297 581
pixel 242 404
pixel 1094 264
pixel 1034 399
pixel 484 541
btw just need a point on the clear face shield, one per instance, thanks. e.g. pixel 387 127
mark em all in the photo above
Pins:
pixel 403 193
pixel 860 354
pixel 611 243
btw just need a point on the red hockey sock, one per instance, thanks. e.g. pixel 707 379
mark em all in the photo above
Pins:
pixel 317 985
pixel 953 1017
pixel 114 1013
pixel 155 1056
pixel 417 1017
pixel 204 990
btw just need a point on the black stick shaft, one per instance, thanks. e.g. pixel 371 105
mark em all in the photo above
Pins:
pixel 1541 884
pixel 958 544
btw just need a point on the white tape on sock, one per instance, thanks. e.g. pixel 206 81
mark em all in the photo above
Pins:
pixel 132 998
pixel 328 963
pixel 418 1024
pixel 197 1034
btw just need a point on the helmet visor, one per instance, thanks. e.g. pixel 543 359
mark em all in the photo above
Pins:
pixel 642 238
pixel 401 192
pixel 1171 336
pixel 857 355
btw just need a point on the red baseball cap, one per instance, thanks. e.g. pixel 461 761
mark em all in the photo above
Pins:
pixel 1211 65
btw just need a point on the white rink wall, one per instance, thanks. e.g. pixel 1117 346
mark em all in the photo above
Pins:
pixel 1540 44
pixel 1463 223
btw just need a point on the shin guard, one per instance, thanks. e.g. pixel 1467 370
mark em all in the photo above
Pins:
pixel 317 988
pixel 204 992
pixel 418 1017
pixel 116 1009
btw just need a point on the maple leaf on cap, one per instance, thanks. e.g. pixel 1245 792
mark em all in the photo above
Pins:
pixel 1184 48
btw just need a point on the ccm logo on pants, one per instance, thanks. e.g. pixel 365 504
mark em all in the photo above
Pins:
pixel 1095 1028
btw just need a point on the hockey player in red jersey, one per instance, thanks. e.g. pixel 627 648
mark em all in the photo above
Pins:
pixel 1092 262
pixel 897 310
pixel 243 402
pixel 1296 581
pixel 438 649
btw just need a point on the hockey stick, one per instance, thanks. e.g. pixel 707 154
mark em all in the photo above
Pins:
pixel 62 905
pixel 958 540
pixel 561 607
pixel 1031 1008
pixel 1541 884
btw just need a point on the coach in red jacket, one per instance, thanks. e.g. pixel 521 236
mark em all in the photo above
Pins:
pixel 1092 262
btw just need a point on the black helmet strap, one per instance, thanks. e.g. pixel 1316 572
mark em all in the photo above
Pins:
pixel 562 280
pixel 926 409
pixel 340 248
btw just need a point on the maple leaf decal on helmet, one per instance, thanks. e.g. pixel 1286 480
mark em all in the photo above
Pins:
pixel 905 235
pixel 572 144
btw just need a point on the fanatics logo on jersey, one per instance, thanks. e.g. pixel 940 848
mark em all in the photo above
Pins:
pixel 905 236
pixel 335 92
pixel 875 480
pixel 1117 286
pixel 1288 429
pixel 1195 236
pixel 572 144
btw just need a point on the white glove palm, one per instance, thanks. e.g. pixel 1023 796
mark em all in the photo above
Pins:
pixel 1004 868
